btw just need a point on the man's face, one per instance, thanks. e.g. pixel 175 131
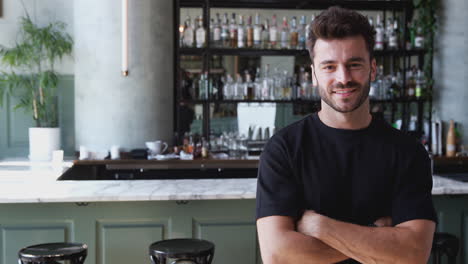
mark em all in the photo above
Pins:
pixel 343 72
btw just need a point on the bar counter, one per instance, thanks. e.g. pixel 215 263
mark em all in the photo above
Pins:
pixel 25 182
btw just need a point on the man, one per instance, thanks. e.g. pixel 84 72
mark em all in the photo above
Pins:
pixel 340 185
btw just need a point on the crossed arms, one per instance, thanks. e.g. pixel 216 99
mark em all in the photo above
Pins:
pixel 319 239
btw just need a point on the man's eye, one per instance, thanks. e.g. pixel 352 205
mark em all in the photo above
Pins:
pixel 329 67
pixel 356 65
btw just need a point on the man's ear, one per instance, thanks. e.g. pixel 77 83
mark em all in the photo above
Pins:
pixel 314 80
pixel 373 72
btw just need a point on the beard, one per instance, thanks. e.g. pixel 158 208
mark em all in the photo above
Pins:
pixel 362 89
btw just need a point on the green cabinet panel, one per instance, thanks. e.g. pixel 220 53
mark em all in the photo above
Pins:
pixel 235 240
pixel 18 234
pixel 113 239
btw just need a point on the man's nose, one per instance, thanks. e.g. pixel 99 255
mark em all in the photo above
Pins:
pixel 343 75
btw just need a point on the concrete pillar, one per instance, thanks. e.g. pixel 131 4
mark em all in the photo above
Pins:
pixel 111 109
pixel 451 64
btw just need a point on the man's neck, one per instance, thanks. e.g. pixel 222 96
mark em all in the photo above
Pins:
pixel 358 119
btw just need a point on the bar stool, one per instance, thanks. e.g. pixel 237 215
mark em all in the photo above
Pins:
pixel 445 244
pixel 51 253
pixel 185 250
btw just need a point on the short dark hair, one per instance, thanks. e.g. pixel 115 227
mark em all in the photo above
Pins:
pixel 337 23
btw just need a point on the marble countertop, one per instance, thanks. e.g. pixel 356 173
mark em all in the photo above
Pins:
pixel 26 182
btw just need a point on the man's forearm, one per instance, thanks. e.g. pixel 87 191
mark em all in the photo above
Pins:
pixel 295 247
pixel 373 245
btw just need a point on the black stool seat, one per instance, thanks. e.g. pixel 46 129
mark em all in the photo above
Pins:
pixel 445 244
pixel 52 252
pixel 196 250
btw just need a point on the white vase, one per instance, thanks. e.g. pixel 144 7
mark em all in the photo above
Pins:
pixel 42 142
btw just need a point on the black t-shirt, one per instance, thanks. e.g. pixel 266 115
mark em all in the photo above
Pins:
pixel 356 176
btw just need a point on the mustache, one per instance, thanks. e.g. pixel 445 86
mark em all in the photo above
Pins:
pixel 348 85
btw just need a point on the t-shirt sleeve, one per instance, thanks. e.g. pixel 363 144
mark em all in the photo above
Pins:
pixel 277 191
pixel 412 194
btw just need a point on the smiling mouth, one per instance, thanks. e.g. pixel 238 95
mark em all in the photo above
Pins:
pixel 344 92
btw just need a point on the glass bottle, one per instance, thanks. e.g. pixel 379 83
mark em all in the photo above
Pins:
pixel 265 35
pixel 241 33
pixel 188 33
pixel 393 39
pixel 419 38
pixel 200 34
pixel 257 32
pixel 273 33
pixel 420 84
pixel 267 85
pixel 307 28
pixel 302 33
pixel 258 85
pixel 285 37
pixel 294 34
pixel 250 32
pixel 228 88
pixel 225 31
pixel 233 31
pixel 379 34
pixel 410 84
pixel 238 88
pixel 249 89
pixel 216 40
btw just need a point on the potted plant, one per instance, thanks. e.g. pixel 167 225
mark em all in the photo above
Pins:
pixel 31 77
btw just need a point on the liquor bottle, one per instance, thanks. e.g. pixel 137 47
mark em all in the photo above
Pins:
pixel 302 33
pixel 420 83
pixel 287 86
pixel 267 84
pixel 419 39
pixel 273 33
pixel 379 35
pixel 249 89
pixel 225 31
pixel 250 33
pixel 216 40
pixel 200 34
pixel 228 88
pixel 238 88
pixel 411 83
pixel 201 87
pixel 265 35
pixel 233 31
pixel 241 33
pixel 257 32
pixel 393 39
pixel 307 28
pixel 371 21
pixel 258 85
pixel 285 34
pixel 395 88
pixel 204 148
pixel 451 140
pixel 211 30
pixel 388 31
pixel 181 34
pixel 188 33
pixel 294 35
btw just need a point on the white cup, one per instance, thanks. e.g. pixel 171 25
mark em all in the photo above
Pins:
pixel 115 152
pixel 155 147
pixel 84 153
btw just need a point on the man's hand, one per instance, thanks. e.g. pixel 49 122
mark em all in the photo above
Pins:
pixel 384 222
pixel 309 224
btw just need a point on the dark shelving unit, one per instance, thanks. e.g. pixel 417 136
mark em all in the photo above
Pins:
pixel 206 53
